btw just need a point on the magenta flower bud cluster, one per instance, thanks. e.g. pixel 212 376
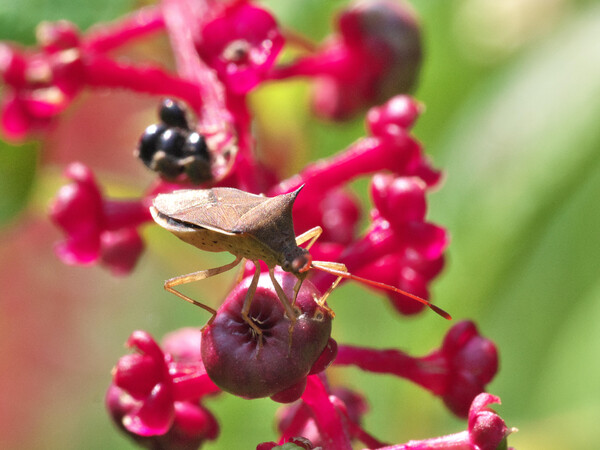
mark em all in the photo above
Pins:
pixel 256 344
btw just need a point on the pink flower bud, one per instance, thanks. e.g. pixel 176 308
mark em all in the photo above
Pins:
pixel 381 43
pixel 473 363
pixel 399 199
pixel 400 112
pixel 487 430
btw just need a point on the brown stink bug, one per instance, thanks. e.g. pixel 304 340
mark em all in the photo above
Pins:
pixel 251 227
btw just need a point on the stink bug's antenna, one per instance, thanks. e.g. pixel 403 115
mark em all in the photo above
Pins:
pixel 340 270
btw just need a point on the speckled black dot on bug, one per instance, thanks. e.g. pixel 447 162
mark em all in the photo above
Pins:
pixel 173 114
pixel 148 142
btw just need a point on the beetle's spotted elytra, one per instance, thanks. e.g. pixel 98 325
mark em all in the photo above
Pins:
pixel 251 227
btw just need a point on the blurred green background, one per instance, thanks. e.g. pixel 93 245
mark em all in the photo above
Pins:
pixel 512 90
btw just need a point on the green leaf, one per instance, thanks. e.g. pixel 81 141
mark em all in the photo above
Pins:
pixel 17 171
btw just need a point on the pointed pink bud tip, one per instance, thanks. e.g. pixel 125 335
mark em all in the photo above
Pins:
pixel 243 363
pixel 487 430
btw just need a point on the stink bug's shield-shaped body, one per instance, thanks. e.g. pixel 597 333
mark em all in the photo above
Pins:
pixel 248 226
pixel 227 219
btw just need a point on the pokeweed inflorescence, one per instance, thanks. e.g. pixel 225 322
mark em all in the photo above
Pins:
pixel 203 138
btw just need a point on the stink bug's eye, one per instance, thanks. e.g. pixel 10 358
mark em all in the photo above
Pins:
pixel 301 263
pixel 172 114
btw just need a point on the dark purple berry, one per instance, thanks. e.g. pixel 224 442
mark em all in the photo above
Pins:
pixel 196 158
pixel 149 142
pixel 198 170
pixel 173 114
pixel 166 165
pixel 237 361
pixel 171 142
pixel 195 145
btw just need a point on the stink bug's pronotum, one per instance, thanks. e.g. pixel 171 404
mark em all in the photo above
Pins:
pixel 251 227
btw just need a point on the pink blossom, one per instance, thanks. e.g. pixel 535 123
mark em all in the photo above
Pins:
pixel 241 45
pixel 96 229
pixel 457 372
pixel 155 395
pixel 375 54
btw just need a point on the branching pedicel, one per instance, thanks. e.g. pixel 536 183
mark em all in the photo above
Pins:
pixel 223 51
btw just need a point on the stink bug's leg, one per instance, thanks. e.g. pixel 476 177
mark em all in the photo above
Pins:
pixel 240 274
pixel 289 310
pixel 297 287
pixel 341 271
pixel 335 266
pixel 248 301
pixel 197 276
pixel 311 235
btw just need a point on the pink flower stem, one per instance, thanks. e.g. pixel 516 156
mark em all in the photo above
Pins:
pixel 184 19
pixel 458 441
pixel 102 72
pixel 297 424
pixel 298 40
pixel 429 372
pixel 336 62
pixel 359 433
pixel 366 156
pixel 245 165
pixel 113 35
pixel 376 244
pixel 327 418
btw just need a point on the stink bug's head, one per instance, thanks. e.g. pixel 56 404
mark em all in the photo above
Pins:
pixel 299 263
